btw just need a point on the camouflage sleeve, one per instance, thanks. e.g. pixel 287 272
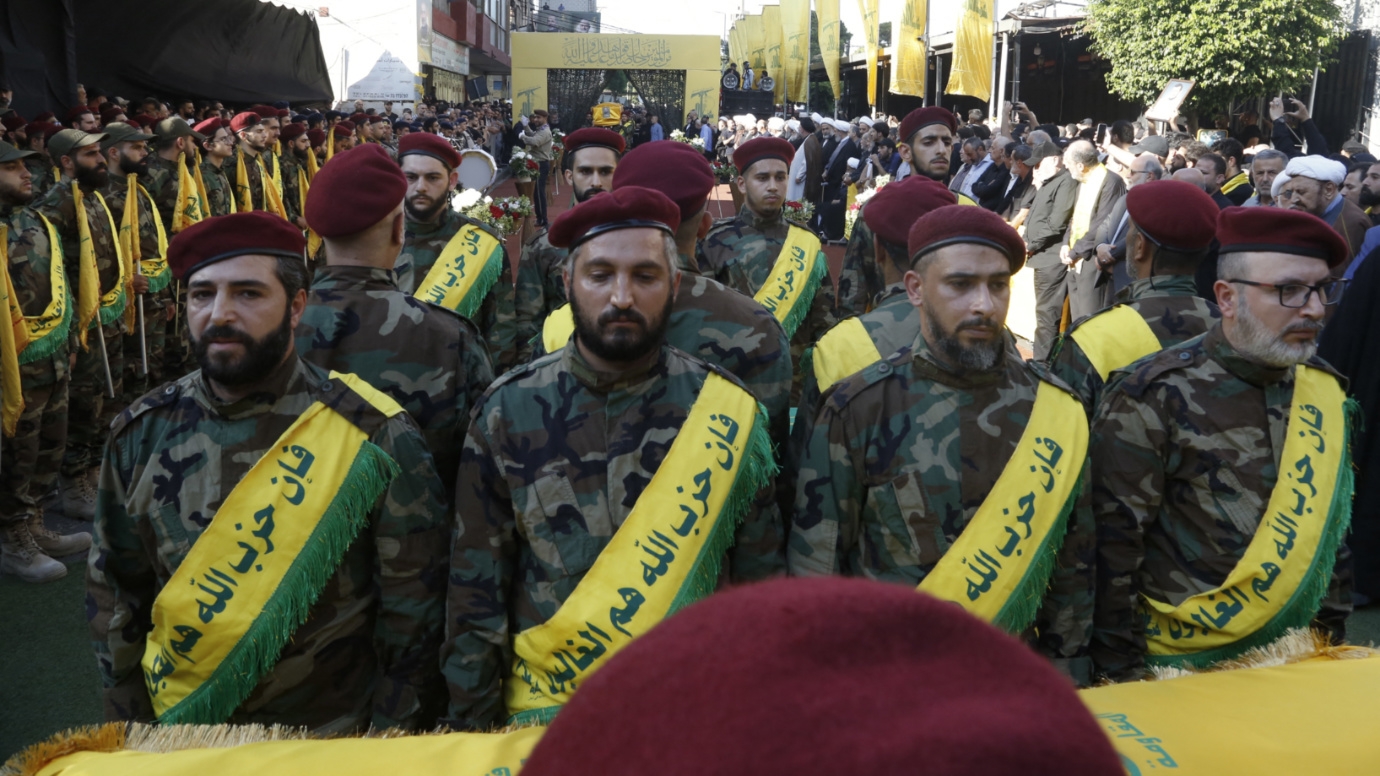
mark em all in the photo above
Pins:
pixel 827 499
pixel 1128 436
pixel 291 196
pixel 822 317
pixel 759 540
pixel 498 321
pixel 479 375
pixel 163 189
pixel 411 527
pixel 859 279
pixel 1064 623
pixel 478 647
pixel 120 589
pixel 529 301
pixel 1069 363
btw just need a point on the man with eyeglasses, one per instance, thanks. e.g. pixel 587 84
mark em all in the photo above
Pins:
pixel 216 148
pixel 1222 485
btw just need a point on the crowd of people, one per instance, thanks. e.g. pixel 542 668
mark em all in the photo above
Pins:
pixel 301 397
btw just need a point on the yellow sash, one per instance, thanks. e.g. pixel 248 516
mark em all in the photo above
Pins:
pixel 304 186
pixel 1286 568
pixel 1114 338
pixel 251 578
pixel 999 567
pixel 1237 181
pixel 795 277
pixel 1083 208
pixel 277 176
pixel 664 557
pixel 844 350
pixel 465 271
pixel 190 206
pixel 558 328
pixel 155 269
pixel 29 338
pixel 90 301
pixel 273 202
pixel 964 199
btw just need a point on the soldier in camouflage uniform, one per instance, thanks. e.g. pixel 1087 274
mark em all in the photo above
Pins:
pixel 125 152
pixel 429 359
pixel 560 450
pixel 173 146
pixel 904 452
pixel 217 166
pixel 252 146
pixel 30 459
pixel 1188 441
pixel 591 157
pixel 366 652
pixel 292 163
pixel 741 252
pixel 90 409
pixel 431 223
pixel 925 142
pixel 891 323
pixel 39 165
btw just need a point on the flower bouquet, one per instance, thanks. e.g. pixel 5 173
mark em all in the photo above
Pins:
pixel 851 216
pixel 681 137
pixel 522 166
pixel 724 171
pixel 503 215
pixel 797 211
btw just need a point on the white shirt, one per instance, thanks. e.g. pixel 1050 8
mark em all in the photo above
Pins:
pixel 973 174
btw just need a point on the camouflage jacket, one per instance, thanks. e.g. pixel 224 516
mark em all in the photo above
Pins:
pixel 902 455
pixel 161 183
pixel 251 170
pixel 58 207
pixel 555 459
pixel 540 290
pixel 292 185
pixel 423 246
pixel 1187 444
pixel 1169 303
pixel 741 252
pixel 892 323
pixel 30 252
pixel 860 279
pixel 220 189
pixel 41 170
pixel 367 652
pixel 115 195
pixel 429 359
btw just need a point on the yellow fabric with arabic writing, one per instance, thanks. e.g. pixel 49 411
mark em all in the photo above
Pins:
pixel 254 540
pixel 130 245
pixel 868 10
pixel 1285 547
pixel 1004 541
pixel 1083 208
pixel 909 62
pixel 972 64
pixel 795 49
pixel 273 201
pixel 844 350
pixel 190 206
pixel 458 276
pixel 1315 717
pixel 1114 338
pixel 643 571
pixel 90 301
pixel 490 754
pixel 785 288
pixel 558 328
pixel 25 330
pixel 828 13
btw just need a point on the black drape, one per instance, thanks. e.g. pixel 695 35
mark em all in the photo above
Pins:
pixel 1350 343
pixel 38 55
pixel 237 51
pixel 571 93
pixel 662 93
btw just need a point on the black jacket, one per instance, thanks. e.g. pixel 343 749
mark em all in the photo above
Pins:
pixel 990 187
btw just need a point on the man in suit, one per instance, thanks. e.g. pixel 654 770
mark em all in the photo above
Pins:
pixel 1111 235
pixel 835 182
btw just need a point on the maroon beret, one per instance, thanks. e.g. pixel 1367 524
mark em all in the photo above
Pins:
pixel 265 111
pixel 225 237
pixel 317 137
pixel 759 148
pixel 359 118
pixel 377 119
pixel 594 136
pixel 427 144
pixel 110 111
pixel 343 128
pixel 50 130
pixel 33 128
pixel 13 121
pixel 890 213
pixel 674 169
pixel 46 117
pixel 1276 230
pixel 358 189
pixel 292 132
pixel 920 118
pixel 209 127
pixel 143 120
pixel 284 113
pixel 825 676
pixel 955 224
pixel 631 207
pixel 242 121
pixel 75 114
pixel 1173 214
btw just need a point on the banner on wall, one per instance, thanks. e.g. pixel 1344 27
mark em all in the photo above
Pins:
pixel 828 13
pixel 971 73
pixel 908 69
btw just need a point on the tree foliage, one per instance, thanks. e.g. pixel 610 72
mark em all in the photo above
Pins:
pixel 1231 49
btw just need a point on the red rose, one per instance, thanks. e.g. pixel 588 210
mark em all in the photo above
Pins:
pixel 793 203
pixel 495 211
pixel 532 165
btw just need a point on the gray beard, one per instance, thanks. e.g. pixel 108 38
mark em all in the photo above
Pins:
pixel 1256 342
pixel 982 357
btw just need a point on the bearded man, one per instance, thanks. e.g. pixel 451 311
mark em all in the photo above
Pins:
pixel 1221 488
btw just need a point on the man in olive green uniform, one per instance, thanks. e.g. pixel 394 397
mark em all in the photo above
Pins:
pixel 40 166
pixel 293 165
pixel 99 370
pixel 253 143
pixel 559 457
pixel 173 140
pixel 591 158
pixel 31 449
pixel 217 168
pixel 898 479
pixel 1221 485
pixel 429 359
pixel 1172 225
pixel 341 507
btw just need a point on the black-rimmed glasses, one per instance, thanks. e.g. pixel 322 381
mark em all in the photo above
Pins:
pixel 1296 295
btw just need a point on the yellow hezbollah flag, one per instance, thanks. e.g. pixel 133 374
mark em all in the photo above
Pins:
pixel 869 15
pixel 771 33
pixel 795 53
pixel 737 45
pixel 909 63
pixel 756 42
pixel 828 12
pixel 972 68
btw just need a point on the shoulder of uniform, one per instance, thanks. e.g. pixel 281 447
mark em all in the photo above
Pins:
pixel 720 225
pixel 837 397
pixel 1042 372
pixel 706 366
pixel 489 229
pixel 151 403
pixel 520 372
pixel 1138 378
pixel 353 397
pixel 538 240
pixel 1317 362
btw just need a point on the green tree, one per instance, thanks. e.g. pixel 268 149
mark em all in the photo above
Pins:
pixel 1231 49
